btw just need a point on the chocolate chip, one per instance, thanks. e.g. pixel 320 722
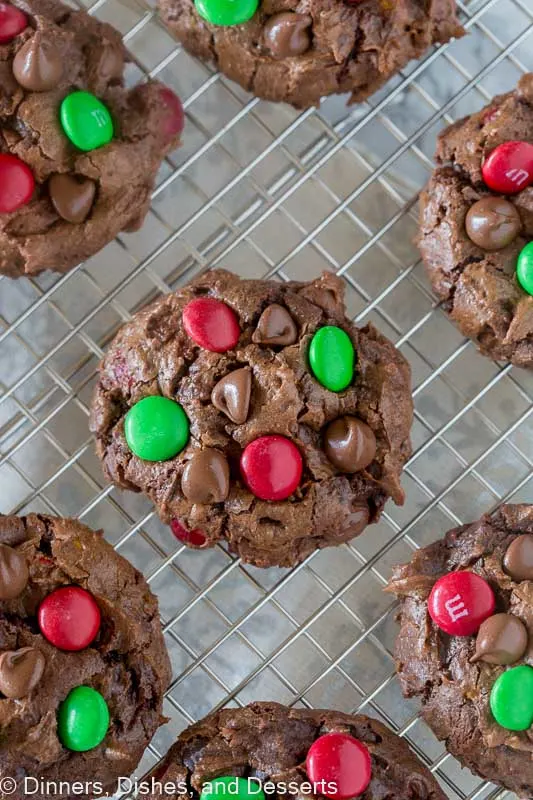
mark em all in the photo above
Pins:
pixel 37 65
pixel 493 223
pixel 502 639
pixel 231 395
pixel 287 34
pixel 205 478
pixel 20 671
pixel 275 327
pixel 72 198
pixel 349 444
pixel 14 573
pixel 518 560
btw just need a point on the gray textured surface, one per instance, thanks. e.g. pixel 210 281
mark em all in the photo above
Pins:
pixel 261 189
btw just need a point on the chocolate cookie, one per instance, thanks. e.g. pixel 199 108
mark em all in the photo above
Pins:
pixel 299 51
pixel 477 226
pixel 266 749
pixel 465 643
pixel 83 664
pixel 255 412
pixel 79 152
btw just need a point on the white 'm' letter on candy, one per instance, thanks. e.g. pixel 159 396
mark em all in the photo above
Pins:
pixel 456 608
pixel 518 176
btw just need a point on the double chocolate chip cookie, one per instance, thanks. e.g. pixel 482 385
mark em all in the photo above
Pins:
pixel 266 749
pixel 465 643
pixel 255 412
pixel 477 226
pixel 83 664
pixel 299 51
pixel 79 152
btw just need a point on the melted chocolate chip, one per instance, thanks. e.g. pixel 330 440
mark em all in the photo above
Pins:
pixel 206 477
pixel 37 65
pixel 518 560
pixel 287 34
pixel 14 573
pixel 502 639
pixel 275 327
pixel 20 671
pixel 231 395
pixel 72 198
pixel 493 223
pixel 349 444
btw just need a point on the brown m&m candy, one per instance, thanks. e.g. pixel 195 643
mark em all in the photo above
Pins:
pixel 349 444
pixel 20 671
pixel 275 327
pixel 14 573
pixel 518 559
pixel 72 197
pixel 205 478
pixel 502 639
pixel 231 395
pixel 493 223
pixel 38 66
pixel 287 34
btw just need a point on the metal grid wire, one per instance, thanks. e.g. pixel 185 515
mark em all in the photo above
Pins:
pixel 264 190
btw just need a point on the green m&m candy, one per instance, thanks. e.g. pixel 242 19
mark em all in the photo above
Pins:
pixel 156 428
pixel 524 268
pixel 82 719
pixel 332 357
pixel 86 121
pixel 226 12
pixel 511 699
pixel 229 786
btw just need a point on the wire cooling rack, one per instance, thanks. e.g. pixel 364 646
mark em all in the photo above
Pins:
pixel 264 190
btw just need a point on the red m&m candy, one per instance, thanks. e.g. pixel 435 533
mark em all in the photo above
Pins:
pixel 459 602
pixel 12 22
pixel 271 467
pixel 175 116
pixel 342 763
pixel 195 537
pixel 509 168
pixel 211 324
pixel 16 183
pixel 69 618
